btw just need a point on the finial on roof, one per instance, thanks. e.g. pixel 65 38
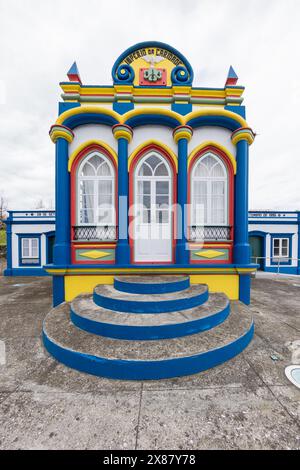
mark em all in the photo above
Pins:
pixel 73 74
pixel 232 77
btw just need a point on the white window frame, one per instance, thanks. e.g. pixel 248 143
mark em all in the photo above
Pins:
pixel 210 180
pixel 96 179
pixel 280 255
pixel 30 250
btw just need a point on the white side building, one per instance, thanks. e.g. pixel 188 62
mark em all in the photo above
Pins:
pixel 30 240
pixel 274 240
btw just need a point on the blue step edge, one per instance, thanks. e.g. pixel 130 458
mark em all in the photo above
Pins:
pixel 129 332
pixel 155 288
pixel 163 306
pixel 147 370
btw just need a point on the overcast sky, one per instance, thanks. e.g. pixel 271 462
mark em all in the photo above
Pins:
pixel 41 39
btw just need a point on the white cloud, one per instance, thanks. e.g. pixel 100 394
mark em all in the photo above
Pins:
pixel 42 39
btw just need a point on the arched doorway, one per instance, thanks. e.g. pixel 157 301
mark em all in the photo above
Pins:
pixel 257 243
pixel 152 209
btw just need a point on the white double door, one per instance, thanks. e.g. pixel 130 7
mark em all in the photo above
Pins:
pixel 153 217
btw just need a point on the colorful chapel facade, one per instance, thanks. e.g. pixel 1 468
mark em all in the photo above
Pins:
pixel 151 177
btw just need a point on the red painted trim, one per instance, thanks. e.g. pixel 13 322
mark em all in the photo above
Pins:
pixel 73 188
pixel 132 168
pixel 226 160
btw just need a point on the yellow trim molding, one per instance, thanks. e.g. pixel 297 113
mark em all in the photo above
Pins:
pixel 86 109
pixel 139 111
pixel 229 284
pixel 197 270
pixel 87 144
pixel 216 112
pixel 154 142
pixel 217 146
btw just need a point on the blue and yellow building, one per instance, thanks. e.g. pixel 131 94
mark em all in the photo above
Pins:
pixel 151 177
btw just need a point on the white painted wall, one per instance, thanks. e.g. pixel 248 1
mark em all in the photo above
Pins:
pixel 88 132
pixel 219 135
pixel 161 133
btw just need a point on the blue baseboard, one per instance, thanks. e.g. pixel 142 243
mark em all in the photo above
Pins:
pixel 131 306
pixel 153 288
pixel 25 272
pixel 129 332
pixel 147 370
pixel 282 269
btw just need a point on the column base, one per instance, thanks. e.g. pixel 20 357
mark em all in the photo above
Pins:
pixel 61 253
pixel 241 253
pixel 122 253
pixel 245 288
pixel 182 253
pixel 58 290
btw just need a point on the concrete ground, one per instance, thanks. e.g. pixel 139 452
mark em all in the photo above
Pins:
pixel 246 403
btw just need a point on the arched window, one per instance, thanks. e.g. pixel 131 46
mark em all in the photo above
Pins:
pixel 96 189
pixel 209 191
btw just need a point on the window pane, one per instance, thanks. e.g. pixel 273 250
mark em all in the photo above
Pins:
pixel 25 247
pixel 162 216
pixel 87 216
pixel 146 217
pixel 161 170
pixel 104 187
pixel 217 170
pixel 153 161
pixel 284 251
pixel 276 251
pixel 284 243
pixel 88 170
pixel 95 161
pixel 145 170
pixel 34 247
pixel 162 201
pixel 162 187
pixel 104 169
pixel 276 242
pixel 143 187
pixel 201 170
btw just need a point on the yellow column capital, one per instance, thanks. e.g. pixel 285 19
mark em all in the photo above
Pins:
pixel 243 133
pixel 59 131
pixel 122 131
pixel 182 132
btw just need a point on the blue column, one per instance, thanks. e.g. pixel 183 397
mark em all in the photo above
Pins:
pixel 8 270
pixel 182 135
pixel 61 252
pixel 182 252
pixel 124 134
pixel 242 138
pixel 241 238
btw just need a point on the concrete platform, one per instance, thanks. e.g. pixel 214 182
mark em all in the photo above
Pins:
pixel 94 319
pixel 247 403
pixel 108 297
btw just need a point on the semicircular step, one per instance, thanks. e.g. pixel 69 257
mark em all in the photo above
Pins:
pixel 147 284
pixel 108 297
pixel 146 360
pixel 88 316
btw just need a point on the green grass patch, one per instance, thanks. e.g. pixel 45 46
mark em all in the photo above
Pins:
pixel 2 237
